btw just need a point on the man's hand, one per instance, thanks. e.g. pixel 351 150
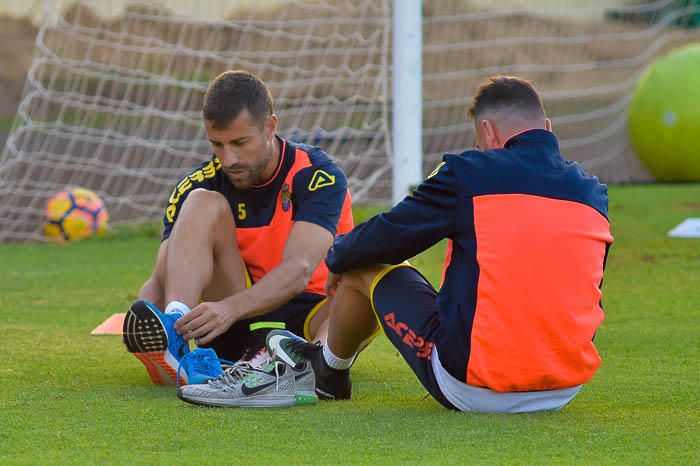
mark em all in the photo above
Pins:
pixel 206 322
pixel 332 283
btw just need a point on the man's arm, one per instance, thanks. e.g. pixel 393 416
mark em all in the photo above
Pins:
pixel 305 248
pixel 412 226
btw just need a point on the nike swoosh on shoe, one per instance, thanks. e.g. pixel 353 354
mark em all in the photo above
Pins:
pixel 253 390
pixel 275 342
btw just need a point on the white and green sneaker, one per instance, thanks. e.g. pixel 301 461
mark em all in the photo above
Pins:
pixel 328 383
pixel 270 385
pixel 305 382
pixel 304 378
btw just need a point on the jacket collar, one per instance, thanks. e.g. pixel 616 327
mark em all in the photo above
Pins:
pixel 529 136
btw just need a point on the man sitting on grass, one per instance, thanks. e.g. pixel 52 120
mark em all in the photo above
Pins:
pixel 243 245
pixel 512 327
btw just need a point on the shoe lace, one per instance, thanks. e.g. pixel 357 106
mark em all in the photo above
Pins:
pixel 200 363
pixel 234 373
pixel 241 371
pixel 277 371
pixel 277 375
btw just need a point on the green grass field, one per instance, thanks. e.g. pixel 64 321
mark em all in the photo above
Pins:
pixel 69 397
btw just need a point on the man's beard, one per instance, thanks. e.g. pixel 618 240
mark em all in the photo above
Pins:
pixel 252 176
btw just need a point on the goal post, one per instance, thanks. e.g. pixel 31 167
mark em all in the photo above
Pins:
pixel 407 97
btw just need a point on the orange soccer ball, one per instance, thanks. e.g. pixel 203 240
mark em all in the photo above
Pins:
pixel 74 214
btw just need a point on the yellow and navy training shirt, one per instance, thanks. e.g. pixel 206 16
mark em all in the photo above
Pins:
pixel 307 186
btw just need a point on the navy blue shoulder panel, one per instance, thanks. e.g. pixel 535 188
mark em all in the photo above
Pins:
pixel 319 191
pixel 531 164
pixel 317 156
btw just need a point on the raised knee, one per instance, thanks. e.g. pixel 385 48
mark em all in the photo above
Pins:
pixel 352 278
pixel 361 279
pixel 206 204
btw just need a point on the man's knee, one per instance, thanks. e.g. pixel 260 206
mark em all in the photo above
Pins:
pixel 361 279
pixel 202 204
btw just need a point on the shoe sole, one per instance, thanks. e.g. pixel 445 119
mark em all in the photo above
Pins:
pixel 146 337
pixel 305 398
pixel 305 392
pixel 266 401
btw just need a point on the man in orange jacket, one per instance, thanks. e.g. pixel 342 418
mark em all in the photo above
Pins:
pixel 512 327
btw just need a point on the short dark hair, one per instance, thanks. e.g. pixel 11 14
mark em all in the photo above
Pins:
pixel 511 93
pixel 233 91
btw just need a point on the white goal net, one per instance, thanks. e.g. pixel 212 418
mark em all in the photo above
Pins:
pixel 112 100
pixel 584 57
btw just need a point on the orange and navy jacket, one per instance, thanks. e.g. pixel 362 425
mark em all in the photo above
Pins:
pixel 307 186
pixel 529 236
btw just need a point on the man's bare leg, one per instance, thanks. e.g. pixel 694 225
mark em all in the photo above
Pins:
pixel 352 322
pixel 201 258
pixel 351 325
pixel 349 309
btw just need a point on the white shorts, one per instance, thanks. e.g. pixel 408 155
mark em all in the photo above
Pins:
pixel 482 400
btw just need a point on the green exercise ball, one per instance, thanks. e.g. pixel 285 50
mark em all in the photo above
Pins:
pixel 664 116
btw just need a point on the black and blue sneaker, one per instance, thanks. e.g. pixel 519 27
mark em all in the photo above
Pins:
pixel 331 384
pixel 151 336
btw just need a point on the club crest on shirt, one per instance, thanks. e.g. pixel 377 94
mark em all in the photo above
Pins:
pixel 286 197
